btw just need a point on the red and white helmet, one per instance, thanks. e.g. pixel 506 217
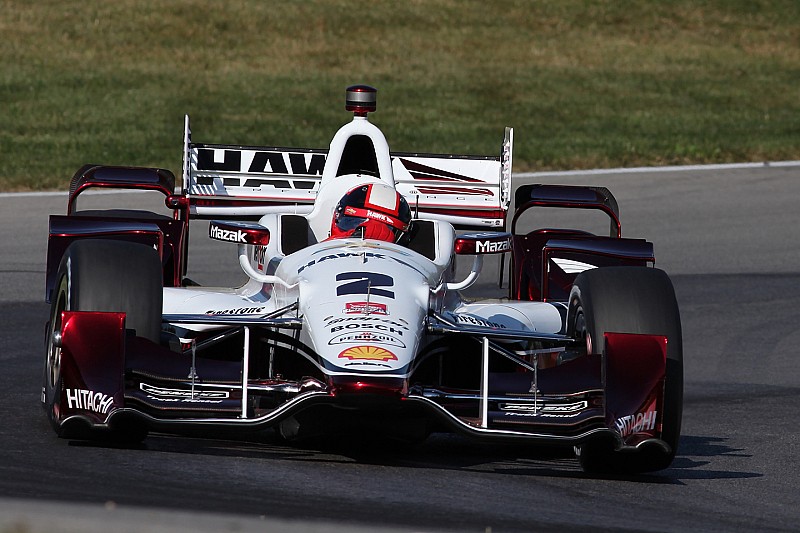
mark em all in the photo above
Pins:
pixel 373 211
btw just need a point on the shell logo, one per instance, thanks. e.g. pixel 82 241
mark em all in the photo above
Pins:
pixel 369 353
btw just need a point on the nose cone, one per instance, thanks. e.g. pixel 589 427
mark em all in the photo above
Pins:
pixel 361 99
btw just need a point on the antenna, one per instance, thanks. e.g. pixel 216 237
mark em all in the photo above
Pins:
pixel 369 289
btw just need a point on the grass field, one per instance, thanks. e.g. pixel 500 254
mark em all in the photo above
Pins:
pixel 585 84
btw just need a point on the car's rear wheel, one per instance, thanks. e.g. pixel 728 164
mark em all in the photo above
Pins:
pixel 102 275
pixel 631 300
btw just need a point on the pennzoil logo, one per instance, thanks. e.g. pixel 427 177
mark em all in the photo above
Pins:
pixel 365 308
pixel 360 337
pixel 368 353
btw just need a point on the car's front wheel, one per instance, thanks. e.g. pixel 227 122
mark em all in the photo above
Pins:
pixel 631 300
pixel 101 275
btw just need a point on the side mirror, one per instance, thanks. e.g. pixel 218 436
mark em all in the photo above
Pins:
pixel 489 242
pixel 176 201
pixel 478 244
pixel 238 232
pixel 244 233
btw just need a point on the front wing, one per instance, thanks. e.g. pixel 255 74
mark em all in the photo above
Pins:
pixel 532 386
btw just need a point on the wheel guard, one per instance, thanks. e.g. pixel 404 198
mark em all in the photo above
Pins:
pixel 634 383
pixel 92 365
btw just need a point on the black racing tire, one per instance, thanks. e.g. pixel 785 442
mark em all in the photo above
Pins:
pixel 102 275
pixel 631 300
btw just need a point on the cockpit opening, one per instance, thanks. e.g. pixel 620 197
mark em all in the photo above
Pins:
pixel 358 157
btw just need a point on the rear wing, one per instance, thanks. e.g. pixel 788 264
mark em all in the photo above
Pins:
pixel 249 181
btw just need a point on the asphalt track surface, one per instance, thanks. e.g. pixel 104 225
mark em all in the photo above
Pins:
pixel 729 240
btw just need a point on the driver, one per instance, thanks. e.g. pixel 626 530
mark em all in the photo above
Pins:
pixel 373 211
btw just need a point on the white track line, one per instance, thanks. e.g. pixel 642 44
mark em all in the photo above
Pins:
pixel 590 172
pixel 646 170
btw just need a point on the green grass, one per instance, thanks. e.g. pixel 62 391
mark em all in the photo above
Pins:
pixel 584 84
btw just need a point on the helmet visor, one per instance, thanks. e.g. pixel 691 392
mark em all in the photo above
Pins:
pixel 346 223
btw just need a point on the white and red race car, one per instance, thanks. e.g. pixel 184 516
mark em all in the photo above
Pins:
pixel 352 315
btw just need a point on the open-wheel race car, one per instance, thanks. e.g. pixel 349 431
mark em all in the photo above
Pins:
pixel 353 314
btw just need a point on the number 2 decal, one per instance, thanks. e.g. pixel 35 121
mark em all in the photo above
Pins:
pixel 364 283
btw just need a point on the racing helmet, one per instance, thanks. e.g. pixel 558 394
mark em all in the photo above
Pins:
pixel 373 211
